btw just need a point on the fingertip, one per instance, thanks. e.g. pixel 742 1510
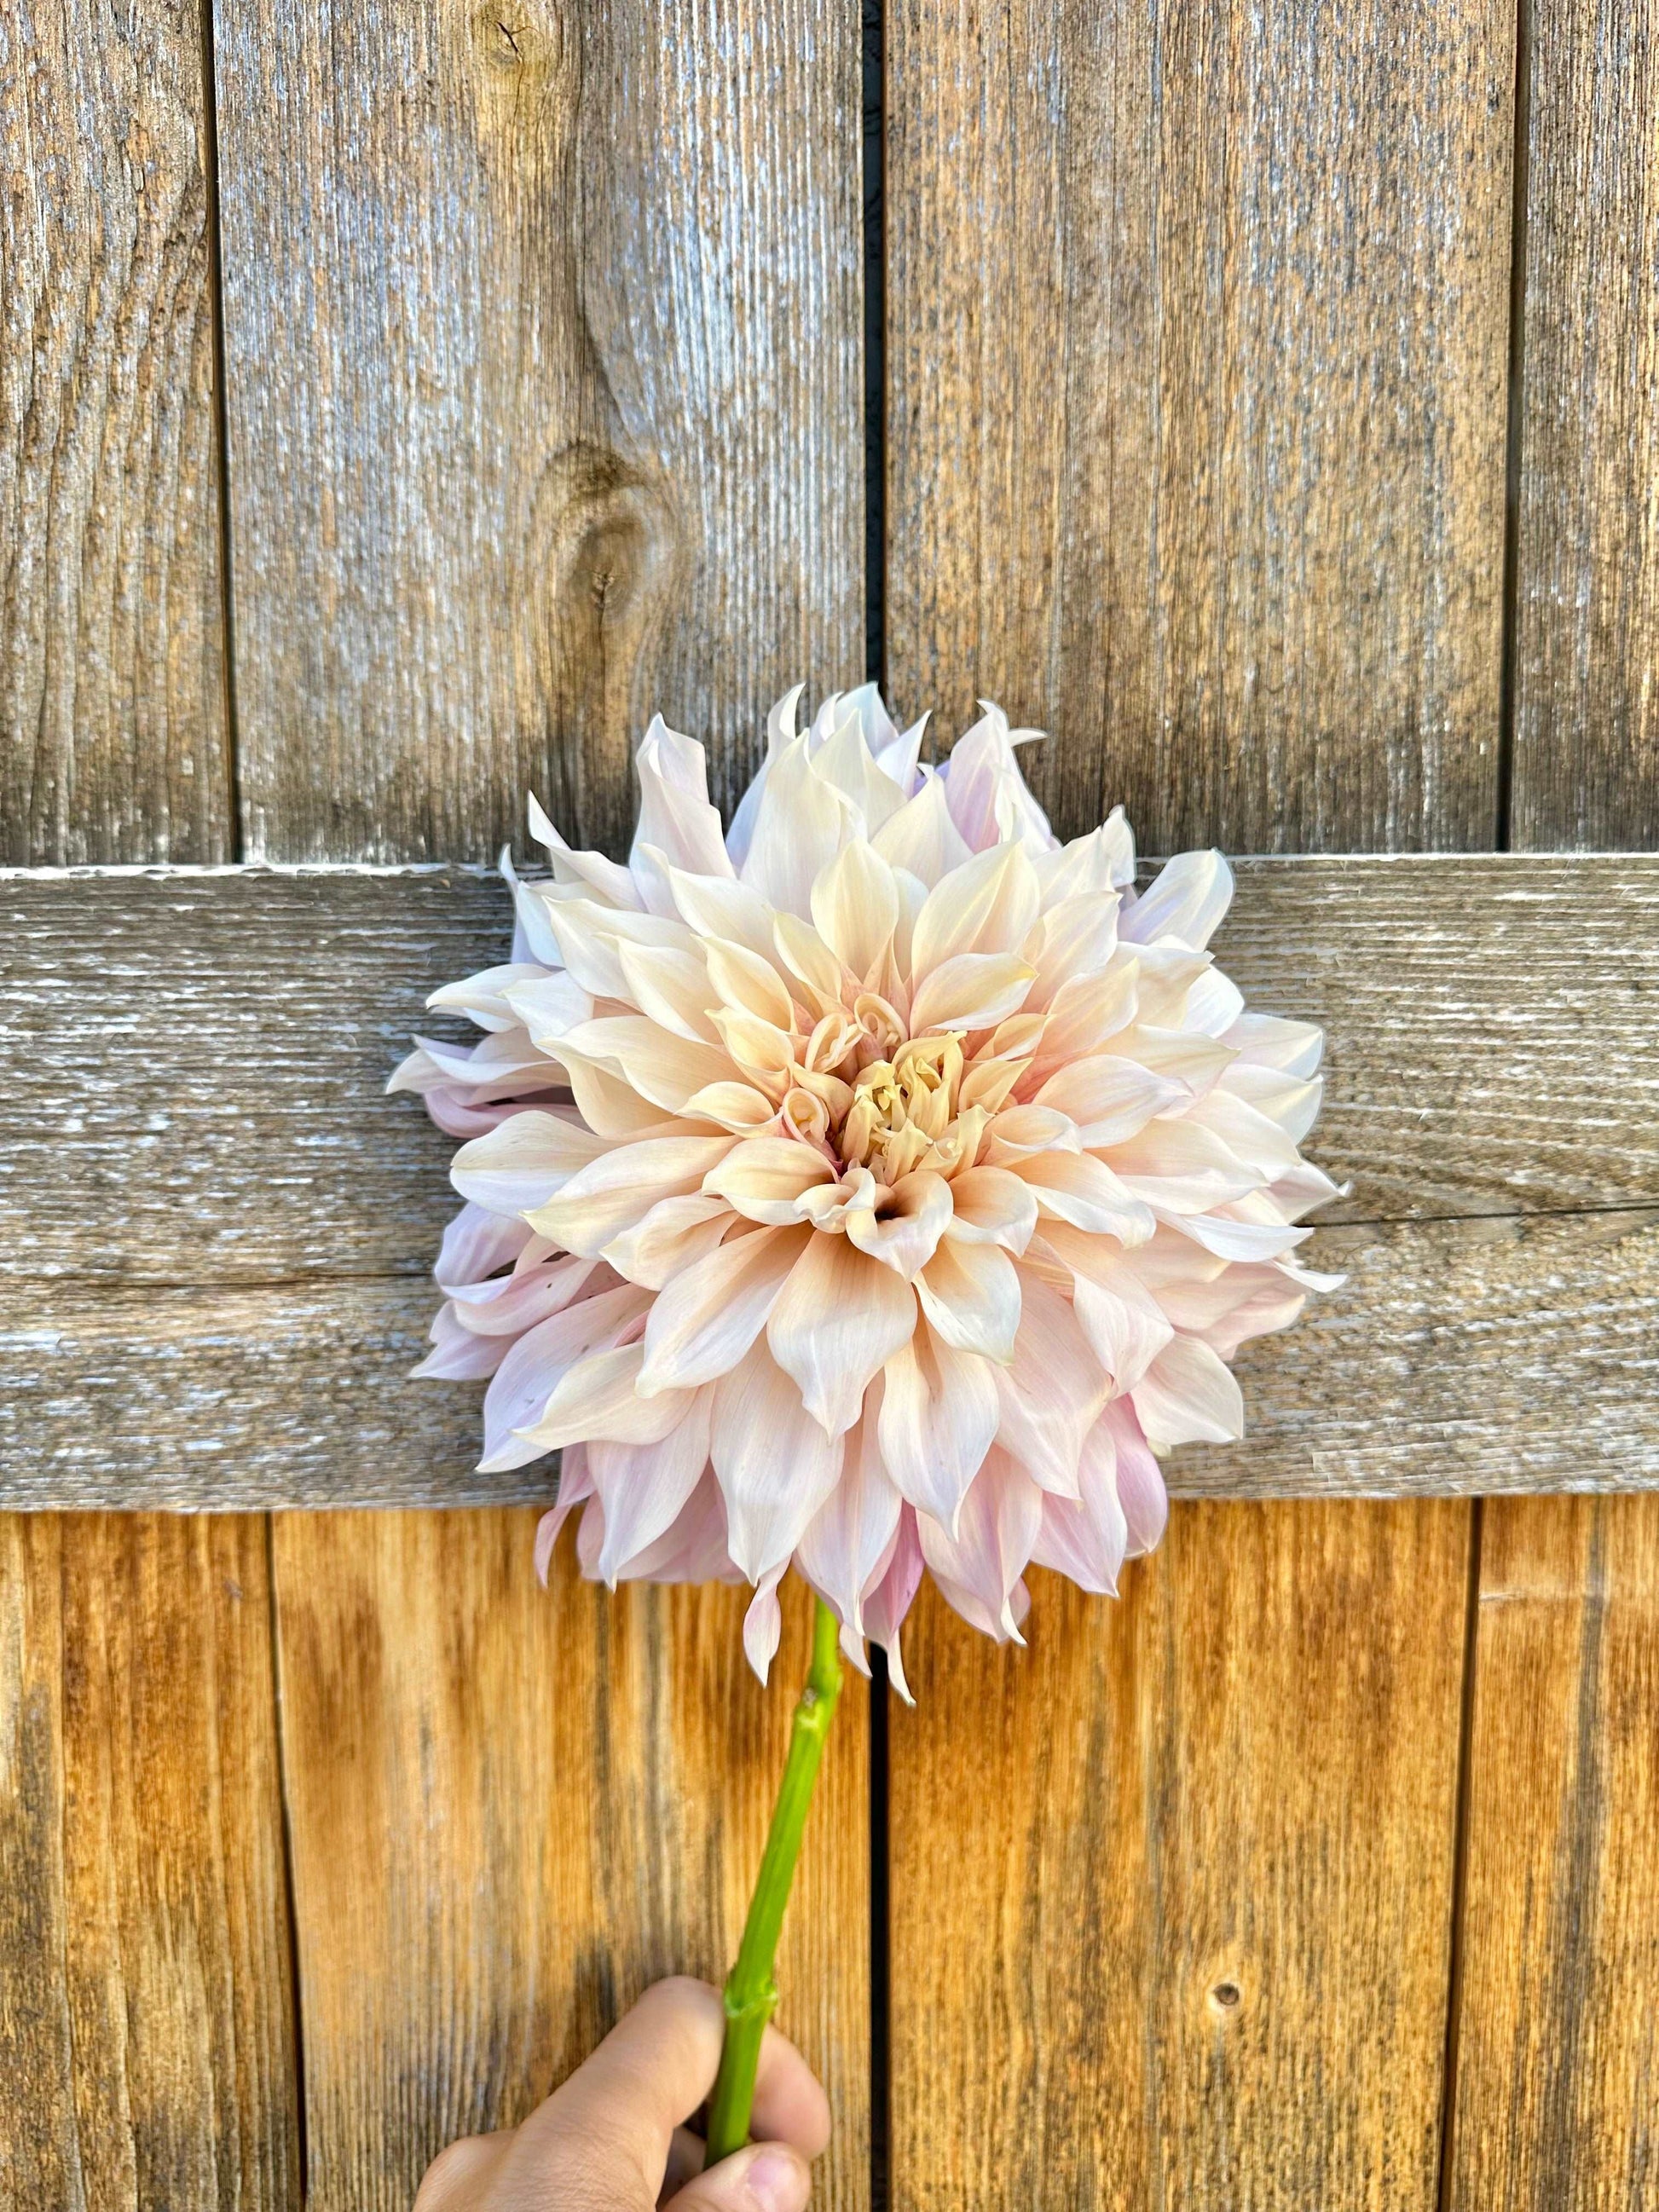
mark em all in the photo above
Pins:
pixel 790 2104
pixel 767 2176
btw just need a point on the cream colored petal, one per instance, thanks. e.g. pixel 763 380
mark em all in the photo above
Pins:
pixel 937 1417
pixel 986 906
pixel 839 1317
pixel 993 1208
pixel 669 985
pixel 761 1049
pixel 970 1293
pixel 1052 1391
pixel 1267 1041
pixel 706 1318
pixel 903 1228
pixel 765 1178
pixel 847 761
pixel 481 998
pixel 975 991
pixel 597 1397
pixel 1087 1012
pixel 979 1567
pixel 1076 937
pixel 736 1106
pixel 806 957
pixel 607 1101
pixel 1019 1131
pixel 547 1005
pixel 1200 1062
pixel 672 1235
pixel 589 935
pixel 607 879
pixel 848 1543
pixel 642 1487
pixel 1110 1099
pixel 1076 1187
pixel 749 984
pixel 662 1067
pixel 1188 902
pixel 922 839
pixel 776 1465
pixel 675 813
pixel 855 907
pixel 612 1193
pixel 1122 1318
pixel 1179 1165
pixel 723 909
pixel 802 823
pixel 523 1161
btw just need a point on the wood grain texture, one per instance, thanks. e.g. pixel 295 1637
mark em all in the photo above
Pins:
pixel 1557 2069
pixel 1495 1354
pixel 1198 327
pixel 1586 767
pixel 511 1810
pixel 198 1061
pixel 1172 1890
pixel 113 733
pixel 544 372
pixel 146 2033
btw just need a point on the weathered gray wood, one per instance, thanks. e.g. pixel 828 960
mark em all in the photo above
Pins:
pixel 1587 616
pixel 195 1062
pixel 543 344
pixel 1197 339
pixel 113 739
pixel 1488 1355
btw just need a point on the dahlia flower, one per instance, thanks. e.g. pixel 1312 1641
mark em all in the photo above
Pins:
pixel 880 1187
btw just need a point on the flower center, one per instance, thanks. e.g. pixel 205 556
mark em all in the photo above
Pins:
pixel 902 1107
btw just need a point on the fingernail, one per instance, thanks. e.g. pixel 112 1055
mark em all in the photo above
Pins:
pixel 774 2181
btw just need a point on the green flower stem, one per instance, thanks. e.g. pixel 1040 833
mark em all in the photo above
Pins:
pixel 751 1994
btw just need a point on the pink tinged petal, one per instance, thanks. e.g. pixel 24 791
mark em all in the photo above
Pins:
pixel 849 1541
pixel 970 1293
pixel 1140 1489
pixel 614 1192
pixel 1236 1240
pixel 762 1624
pixel 458 1354
pixel 980 1567
pixel 590 936
pixel 1125 1326
pixel 779 732
pixel 476 1244
pixel 920 839
pixel 598 1398
pixel 1110 1099
pixel 975 991
pixel 1052 1393
pixel 532 1371
pixel 939 1418
pixel 644 1486
pixel 692 1551
pixel 1165 977
pixel 765 1178
pixel 1188 1395
pixel 575 1488
pixel 722 908
pixel 669 985
pixel 1087 1011
pixel 609 882
pixel 1180 1166
pixel 906 1225
pixel 1088 867
pixel 1213 1004
pixel 664 1068
pixel 512 1304
pixel 987 906
pixel 989 800
pixel 1018 1131
pixel 675 1233
pixel 1289 1101
pixel 1077 1188
pixel 847 761
pixel 481 997
pixel 993 1208
pixel 1268 1040
pixel 749 984
pixel 1200 1062
pixel 1250 1136
pixel 1087 1537
pixel 675 815
pixel 705 1320
pixel 838 1318
pixel 776 1467
pixel 523 1162
pixel 1189 899
pixel 887 1603
pixel 855 907
pixel 1078 937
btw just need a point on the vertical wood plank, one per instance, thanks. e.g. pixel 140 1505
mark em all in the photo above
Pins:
pixel 1557 2069
pixel 512 1809
pixel 1172 1891
pixel 146 2036
pixel 1586 764
pixel 1198 325
pixel 112 736
pixel 545 384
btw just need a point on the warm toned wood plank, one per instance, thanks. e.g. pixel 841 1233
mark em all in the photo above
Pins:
pixel 1198 325
pixel 512 1809
pixel 146 2033
pixel 113 742
pixel 198 1062
pixel 544 345
pixel 1172 1891
pixel 1495 1354
pixel 1587 634
pixel 1558 2075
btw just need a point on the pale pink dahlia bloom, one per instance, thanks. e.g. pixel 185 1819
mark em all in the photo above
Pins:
pixel 882 1187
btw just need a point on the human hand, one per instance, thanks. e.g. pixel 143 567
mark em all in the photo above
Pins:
pixel 611 2138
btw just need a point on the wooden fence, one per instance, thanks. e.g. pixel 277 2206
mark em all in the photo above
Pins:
pixel 397 404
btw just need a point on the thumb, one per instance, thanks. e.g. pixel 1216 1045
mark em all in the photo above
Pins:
pixel 764 2178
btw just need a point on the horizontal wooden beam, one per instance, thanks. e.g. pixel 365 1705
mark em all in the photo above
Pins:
pixel 216 1225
